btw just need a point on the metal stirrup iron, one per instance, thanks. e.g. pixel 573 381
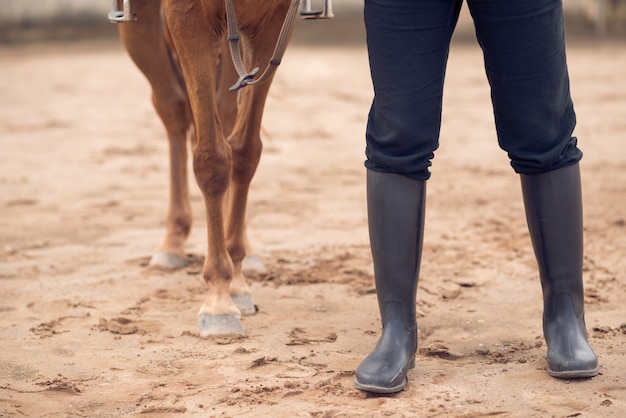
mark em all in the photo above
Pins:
pixel 325 13
pixel 248 77
pixel 125 15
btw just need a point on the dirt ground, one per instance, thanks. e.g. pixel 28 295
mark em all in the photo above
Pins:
pixel 87 329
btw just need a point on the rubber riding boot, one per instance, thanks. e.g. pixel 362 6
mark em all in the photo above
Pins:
pixel 395 206
pixel 553 204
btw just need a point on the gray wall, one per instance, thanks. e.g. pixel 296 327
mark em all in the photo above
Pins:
pixel 44 19
pixel 12 11
pixel 24 20
pixel 16 11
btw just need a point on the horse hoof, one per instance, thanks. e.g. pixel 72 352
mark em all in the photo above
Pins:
pixel 252 263
pixel 219 325
pixel 168 261
pixel 244 303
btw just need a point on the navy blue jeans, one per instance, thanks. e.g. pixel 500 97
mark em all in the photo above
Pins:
pixel 524 52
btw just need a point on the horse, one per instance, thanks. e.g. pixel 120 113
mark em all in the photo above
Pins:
pixel 181 47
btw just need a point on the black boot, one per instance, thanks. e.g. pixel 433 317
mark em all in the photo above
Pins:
pixel 396 222
pixel 553 206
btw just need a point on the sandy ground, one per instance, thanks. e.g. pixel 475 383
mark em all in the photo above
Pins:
pixel 87 329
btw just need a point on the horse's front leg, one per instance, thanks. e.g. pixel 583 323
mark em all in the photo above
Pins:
pixel 212 163
pixel 227 103
pixel 246 146
pixel 197 43
pixel 245 139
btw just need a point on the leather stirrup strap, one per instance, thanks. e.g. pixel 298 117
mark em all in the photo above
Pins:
pixel 248 77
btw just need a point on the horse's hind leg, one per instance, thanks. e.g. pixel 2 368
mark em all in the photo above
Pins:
pixel 144 40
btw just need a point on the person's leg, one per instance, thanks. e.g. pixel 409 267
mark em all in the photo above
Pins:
pixel 524 48
pixel 408 45
pixel 523 44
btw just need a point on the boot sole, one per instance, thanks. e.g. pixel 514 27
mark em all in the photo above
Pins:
pixel 379 389
pixel 574 374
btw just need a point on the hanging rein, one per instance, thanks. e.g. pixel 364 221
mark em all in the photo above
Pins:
pixel 246 77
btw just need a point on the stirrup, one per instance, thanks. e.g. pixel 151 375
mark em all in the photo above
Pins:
pixel 125 15
pixel 326 13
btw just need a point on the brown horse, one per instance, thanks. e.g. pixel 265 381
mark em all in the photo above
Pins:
pixel 182 48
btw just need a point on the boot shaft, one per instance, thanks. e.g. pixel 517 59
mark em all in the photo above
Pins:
pixel 396 208
pixel 553 205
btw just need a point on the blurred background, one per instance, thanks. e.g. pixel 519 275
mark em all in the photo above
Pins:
pixel 37 20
